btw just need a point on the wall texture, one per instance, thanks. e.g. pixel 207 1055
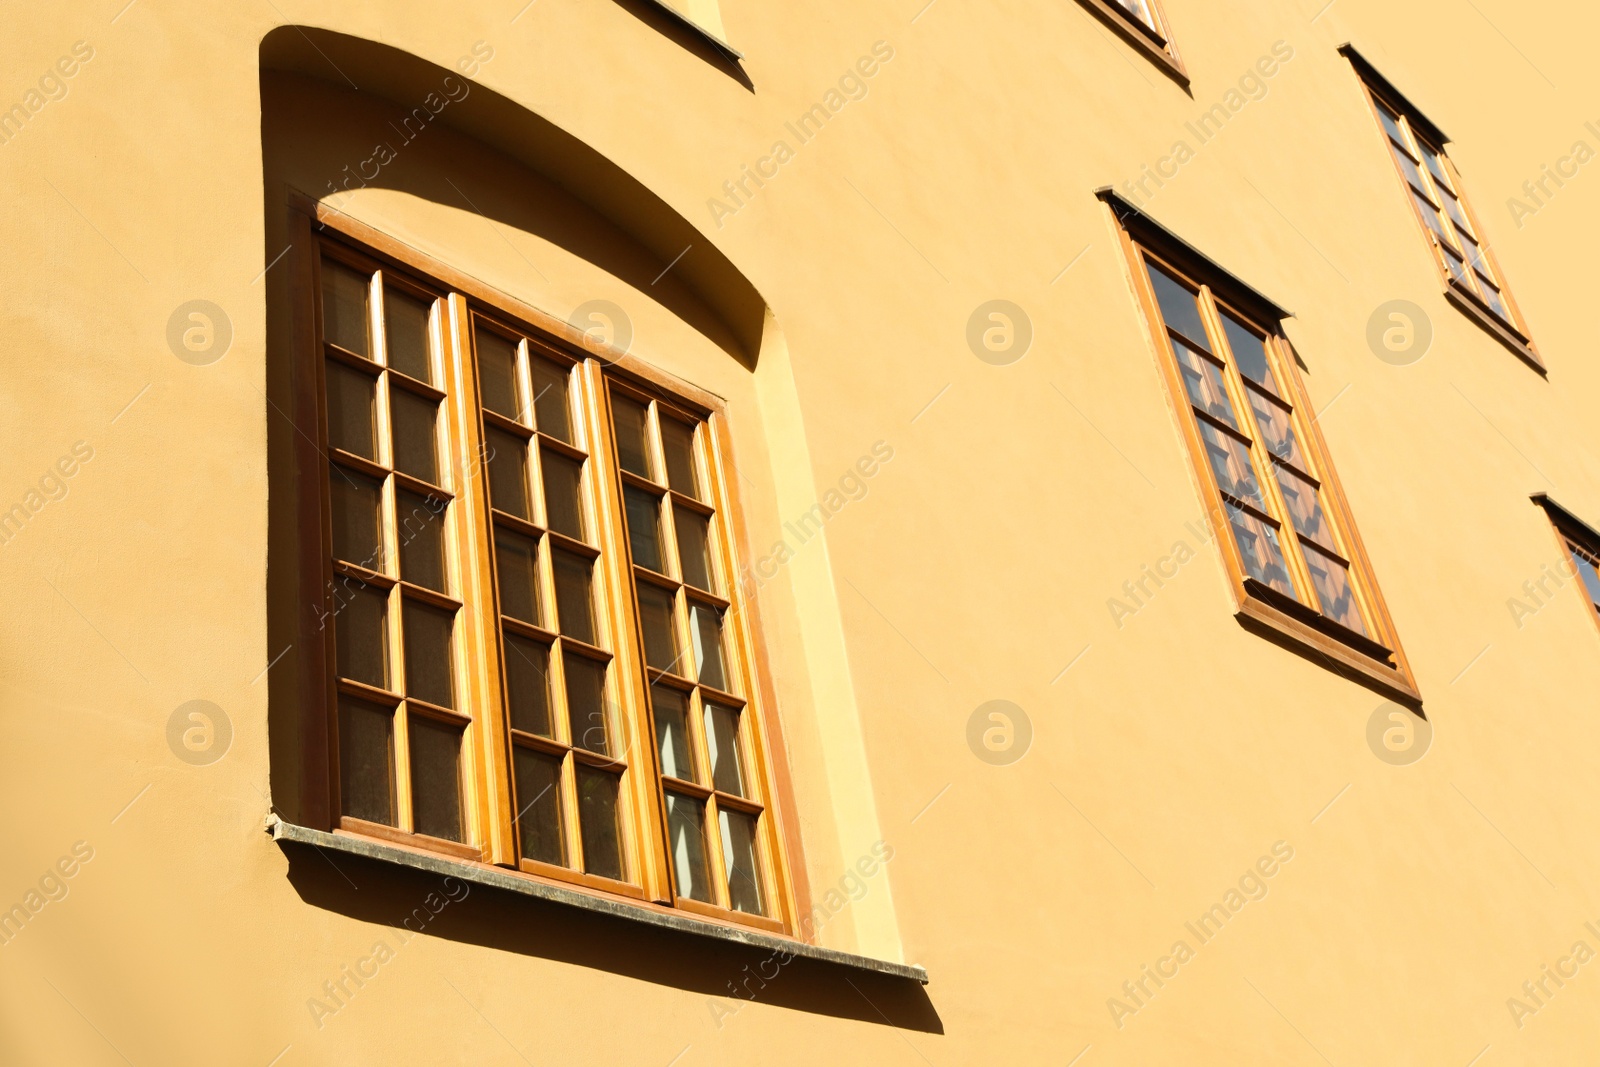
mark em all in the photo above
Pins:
pixel 1169 751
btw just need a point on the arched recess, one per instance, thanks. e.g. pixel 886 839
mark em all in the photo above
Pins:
pixel 486 174
pixel 703 288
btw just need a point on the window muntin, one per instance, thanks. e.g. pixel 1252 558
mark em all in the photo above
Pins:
pixel 1257 449
pixel 1433 187
pixel 520 577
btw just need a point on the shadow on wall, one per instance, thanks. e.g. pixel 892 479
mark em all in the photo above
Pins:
pixel 383 894
pixel 690 39
pixel 570 194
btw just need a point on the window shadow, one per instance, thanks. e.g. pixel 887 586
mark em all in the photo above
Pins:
pixel 675 28
pixel 729 975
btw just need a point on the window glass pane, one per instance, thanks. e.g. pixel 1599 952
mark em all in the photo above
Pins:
pixel 1452 207
pixel 686 839
pixel 1258 544
pixel 705 625
pixel 517 567
pixel 742 862
pixel 1588 572
pixel 574 596
pixel 414 423
pixel 551 404
pixel 497 374
pixel 1409 169
pixel 677 443
pixel 1491 296
pixel 672 733
pixel 366 761
pixel 351 425
pixel 586 703
pixel 598 813
pixel 429 672
pixel 1230 464
pixel 1179 307
pixel 539 806
pixel 1301 498
pixel 345 322
pixel 1430 215
pixel 632 426
pixel 357 518
pixel 563 502
pixel 1139 10
pixel 1391 125
pixel 435 779
pixel 1249 352
pixel 644 527
pixel 1457 269
pixel 660 637
pixel 1277 428
pixel 1202 380
pixel 1334 589
pixel 694 548
pixel 1436 168
pixel 508 474
pixel 361 633
pixel 405 327
pixel 528 685
pixel 420 525
pixel 722 749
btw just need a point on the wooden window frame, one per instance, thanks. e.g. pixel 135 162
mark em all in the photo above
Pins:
pixel 1376 658
pixel 1423 136
pixel 1153 42
pixel 1576 538
pixel 489 827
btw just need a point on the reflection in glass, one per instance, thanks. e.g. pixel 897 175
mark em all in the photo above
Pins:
pixel 632 425
pixel 1202 380
pixel 1258 544
pixel 563 504
pixel 361 632
pixel 1179 307
pixel 497 374
pixel 528 685
pixel 551 405
pixel 1230 463
pixel 644 527
pixel 517 565
pixel 351 425
pixel 705 628
pixel 429 672
pixel 686 841
pixel 366 761
pixel 508 474
pixel 598 822
pixel 1301 498
pixel 420 525
pixel 586 703
pixel 660 637
pixel 1334 588
pixel 1249 352
pixel 405 328
pixel 574 596
pixel 694 547
pixel 1277 428
pixel 672 733
pixel 414 423
pixel 722 749
pixel 539 806
pixel 345 321
pixel 741 863
pixel 677 443
pixel 435 778
pixel 357 518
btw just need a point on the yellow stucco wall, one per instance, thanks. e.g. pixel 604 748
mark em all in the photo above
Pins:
pixel 1169 754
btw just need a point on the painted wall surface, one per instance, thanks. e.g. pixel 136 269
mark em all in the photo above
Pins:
pixel 1164 762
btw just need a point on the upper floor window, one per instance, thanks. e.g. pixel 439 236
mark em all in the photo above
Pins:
pixel 528 601
pixel 1291 547
pixel 1467 266
pixel 1582 546
pixel 1143 24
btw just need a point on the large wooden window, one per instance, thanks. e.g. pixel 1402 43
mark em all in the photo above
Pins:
pixel 1291 547
pixel 537 652
pixel 1472 277
pixel 1143 24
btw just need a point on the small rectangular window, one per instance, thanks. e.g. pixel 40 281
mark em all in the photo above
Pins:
pixel 1461 252
pixel 1296 562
